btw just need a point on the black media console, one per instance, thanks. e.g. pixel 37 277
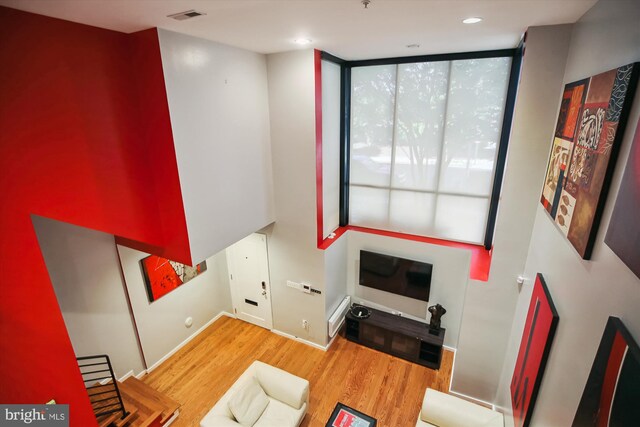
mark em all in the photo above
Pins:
pixel 398 336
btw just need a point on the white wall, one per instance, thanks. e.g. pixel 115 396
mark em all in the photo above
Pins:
pixel 83 267
pixel 161 324
pixel 292 239
pixel 218 104
pixel 335 272
pixel 585 292
pixel 330 146
pixel 448 282
pixel 489 308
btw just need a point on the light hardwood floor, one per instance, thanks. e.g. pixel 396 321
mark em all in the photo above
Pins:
pixel 383 386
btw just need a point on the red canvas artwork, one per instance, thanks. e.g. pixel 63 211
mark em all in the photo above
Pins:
pixel 162 276
pixel 537 337
pixel 611 394
pixel 591 122
pixel 623 235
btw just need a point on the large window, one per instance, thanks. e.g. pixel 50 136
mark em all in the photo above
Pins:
pixel 423 145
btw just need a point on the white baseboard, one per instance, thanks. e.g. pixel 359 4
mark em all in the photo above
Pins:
pixel 332 340
pixel 453 365
pixel 302 340
pixel 125 376
pixel 473 399
pixel 183 343
pixel 141 374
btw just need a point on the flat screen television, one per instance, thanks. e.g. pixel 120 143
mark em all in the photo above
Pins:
pixel 396 275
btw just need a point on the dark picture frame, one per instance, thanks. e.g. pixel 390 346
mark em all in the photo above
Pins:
pixel 611 394
pixel 591 123
pixel 537 338
pixel 162 275
pixel 624 227
pixel 346 416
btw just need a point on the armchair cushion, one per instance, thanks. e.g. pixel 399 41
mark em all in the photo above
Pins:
pixel 445 410
pixel 248 403
pixel 282 386
pixel 287 394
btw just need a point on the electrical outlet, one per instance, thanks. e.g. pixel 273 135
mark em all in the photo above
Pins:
pixel 305 324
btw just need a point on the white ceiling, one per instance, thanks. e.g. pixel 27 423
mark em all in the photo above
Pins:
pixel 341 27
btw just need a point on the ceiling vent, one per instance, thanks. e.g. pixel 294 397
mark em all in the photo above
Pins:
pixel 185 15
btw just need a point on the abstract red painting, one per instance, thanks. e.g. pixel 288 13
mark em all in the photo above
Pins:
pixel 611 395
pixel 537 337
pixel 591 122
pixel 623 235
pixel 162 276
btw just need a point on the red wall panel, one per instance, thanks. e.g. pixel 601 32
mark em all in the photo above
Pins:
pixel 85 138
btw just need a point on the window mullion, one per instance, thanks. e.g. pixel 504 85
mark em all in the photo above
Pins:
pixel 393 142
pixel 441 150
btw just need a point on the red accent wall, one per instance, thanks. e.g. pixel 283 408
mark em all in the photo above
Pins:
pixel 85 138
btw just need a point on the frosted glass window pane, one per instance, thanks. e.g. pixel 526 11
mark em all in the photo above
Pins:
pixel 368 207
pixel 330 146
pixel 461 218
pixel 422 94
pixel 412 212
pixel 477 94
pixel 372 111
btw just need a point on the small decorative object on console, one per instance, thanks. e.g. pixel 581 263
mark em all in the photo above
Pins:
pixel 437 311
pixel 359 311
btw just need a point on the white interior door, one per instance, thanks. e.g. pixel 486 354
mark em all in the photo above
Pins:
pixel 250 287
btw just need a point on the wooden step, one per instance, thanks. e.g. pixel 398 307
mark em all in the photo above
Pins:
pixel 132 413
pixel 107 420
pixel 147 400
pixel 154 418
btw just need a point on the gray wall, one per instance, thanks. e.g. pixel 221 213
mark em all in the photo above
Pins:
pixel 335 275
pixel 585 292
pixel 292 238
pixel 489 307
pixel 448 282
pixel 84 271
pixel 161 324
pixel 218 103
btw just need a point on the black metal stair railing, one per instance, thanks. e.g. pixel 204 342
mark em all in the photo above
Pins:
pixel 101 385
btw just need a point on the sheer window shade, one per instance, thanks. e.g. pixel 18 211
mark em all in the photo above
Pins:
pixel 424 139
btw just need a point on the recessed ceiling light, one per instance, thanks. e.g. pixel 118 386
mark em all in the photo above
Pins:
pixel 302 41
pixel 473 20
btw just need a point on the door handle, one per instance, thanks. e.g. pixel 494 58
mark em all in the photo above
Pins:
pixel 264 286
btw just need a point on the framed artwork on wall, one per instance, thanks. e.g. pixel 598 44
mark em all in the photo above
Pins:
pixel 162 276
pixel 611 395
pixel 591 122
pixel 623 234
pixel 537 337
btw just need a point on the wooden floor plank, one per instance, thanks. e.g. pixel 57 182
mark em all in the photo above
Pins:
pixel 383 386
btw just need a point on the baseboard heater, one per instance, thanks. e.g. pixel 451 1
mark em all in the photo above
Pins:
pixel 337 318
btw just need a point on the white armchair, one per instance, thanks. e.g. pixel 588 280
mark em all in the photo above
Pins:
pixel 444 410
pixel 288 397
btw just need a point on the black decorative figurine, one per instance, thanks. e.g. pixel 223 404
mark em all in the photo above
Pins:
pixel 437 311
